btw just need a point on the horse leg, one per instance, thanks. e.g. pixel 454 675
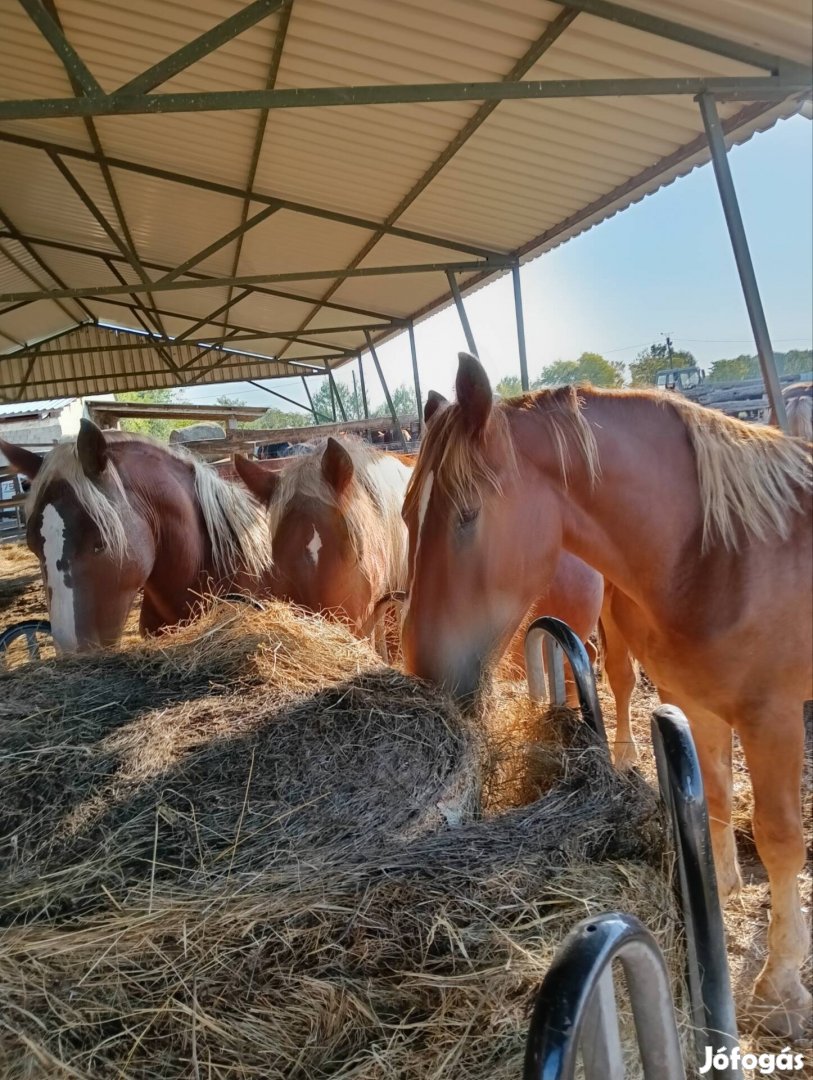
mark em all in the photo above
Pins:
pixel 713 739
pixel 774 750
pixel 621 675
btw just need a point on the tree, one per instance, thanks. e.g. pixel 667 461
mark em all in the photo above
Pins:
pixel 403 401
pixel 276 418
pixel 646 365
pixel 157 429
pixel 234 402
pixel 797 362
pixel 590 367
pixel 509 386
pixel 322 403
pixel 739 367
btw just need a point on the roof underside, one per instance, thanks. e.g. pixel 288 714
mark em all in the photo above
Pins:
pixel 265 241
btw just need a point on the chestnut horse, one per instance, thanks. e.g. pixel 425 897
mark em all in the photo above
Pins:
pixel 109 514
pixel 577 595
pixel 338 540
pixel 701 523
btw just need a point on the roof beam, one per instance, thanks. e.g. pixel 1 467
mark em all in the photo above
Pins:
pixel 200 47
pixel 15 262
pixel 66 151
pixel 98 151
pixel 240 230
pixel 79 249
pixel 94 292
pixel 727 88
pixel 24 242
pixel 529 58
pixel 686 35
pixel 50 29
pixel 262 121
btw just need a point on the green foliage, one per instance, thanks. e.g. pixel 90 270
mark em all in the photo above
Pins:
pixel 590 367
pixel 157 429
pixel 646 365
pixel 509 386
pixel 234 402
pixel 796 361
pixel 793 362
pixel 277 418
pixel 403 401
pixel 739 367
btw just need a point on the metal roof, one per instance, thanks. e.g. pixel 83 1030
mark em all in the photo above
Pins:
pixel 315 176
pixel 34 408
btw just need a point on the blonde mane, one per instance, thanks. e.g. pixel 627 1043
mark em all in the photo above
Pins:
pixel 371 507
pixel 460 465
pixel 234 520
pixel 751 478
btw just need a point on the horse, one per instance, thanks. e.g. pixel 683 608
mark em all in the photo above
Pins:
pixel 799 407
pixel 702 525
pixel 578 596
pixel 334 517
pixel 110 513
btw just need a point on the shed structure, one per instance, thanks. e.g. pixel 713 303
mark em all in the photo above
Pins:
pixel 271 188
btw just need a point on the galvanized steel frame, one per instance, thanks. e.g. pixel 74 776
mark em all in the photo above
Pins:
pixel 784 78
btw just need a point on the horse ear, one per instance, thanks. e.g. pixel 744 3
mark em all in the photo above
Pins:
pixel 91 449
pixel 434 400
pixel 21 460
pixel 474 394
pixel 337 466
pixel 262 483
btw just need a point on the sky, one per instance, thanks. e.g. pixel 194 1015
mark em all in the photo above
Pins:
pixel 662 266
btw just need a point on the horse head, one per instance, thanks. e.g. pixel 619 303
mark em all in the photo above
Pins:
pixel 471 574
pixel 335 525
pixel 95 549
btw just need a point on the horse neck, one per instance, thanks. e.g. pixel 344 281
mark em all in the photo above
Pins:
pixel 634 522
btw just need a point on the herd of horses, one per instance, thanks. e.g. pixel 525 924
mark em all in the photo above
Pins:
pixel 684 534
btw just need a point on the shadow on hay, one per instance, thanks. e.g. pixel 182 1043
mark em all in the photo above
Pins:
pixel 125 769
pixel 259 847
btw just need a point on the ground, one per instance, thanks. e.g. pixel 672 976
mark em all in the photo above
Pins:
pixel 21 597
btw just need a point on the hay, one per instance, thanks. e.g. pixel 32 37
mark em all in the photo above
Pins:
pixel 251 850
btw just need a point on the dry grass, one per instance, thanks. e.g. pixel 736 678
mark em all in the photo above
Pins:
pixel 251 850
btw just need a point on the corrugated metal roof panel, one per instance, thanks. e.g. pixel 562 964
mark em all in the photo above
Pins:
pixel 534 173
pixel 35 407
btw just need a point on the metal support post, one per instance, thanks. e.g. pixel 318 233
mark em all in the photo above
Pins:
pixel 415 375
pixel 523 356
pixel 336 396
pixel 739 241
pixel 363 388
pixel 461 311
pixel 385 388
pixel 307 390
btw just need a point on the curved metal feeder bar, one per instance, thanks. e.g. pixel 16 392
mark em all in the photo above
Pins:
pixel 28 630
pixel 551 638
pixel 241 598
pixel 575 1010
pixel 681 785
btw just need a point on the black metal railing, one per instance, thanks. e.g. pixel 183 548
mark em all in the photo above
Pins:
pixel 30 629
pixel 575 1011
pixel 547 642
pixel 709 983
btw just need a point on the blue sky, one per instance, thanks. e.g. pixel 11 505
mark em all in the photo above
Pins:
pixel 664 265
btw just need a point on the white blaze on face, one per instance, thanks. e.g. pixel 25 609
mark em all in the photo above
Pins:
pixel 423 506
pixel 63 616
pixel 314 546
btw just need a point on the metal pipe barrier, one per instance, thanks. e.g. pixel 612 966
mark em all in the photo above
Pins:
pixel 575 1011
pixel 708 977
pixel 28 630
pixel 547 642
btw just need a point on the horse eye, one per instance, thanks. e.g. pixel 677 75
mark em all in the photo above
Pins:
pixel 98 548
pixel 468 515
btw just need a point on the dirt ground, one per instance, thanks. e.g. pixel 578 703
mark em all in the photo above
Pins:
pixel 22 597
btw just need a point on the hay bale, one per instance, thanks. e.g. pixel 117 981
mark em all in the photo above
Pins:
pixel 252 850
